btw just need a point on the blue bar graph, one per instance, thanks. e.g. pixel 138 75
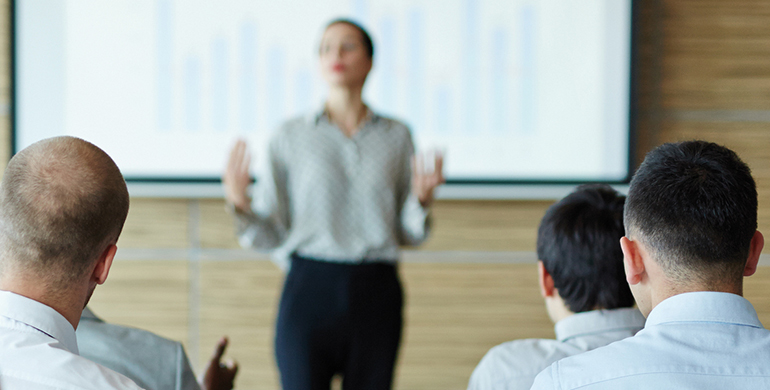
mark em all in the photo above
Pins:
pixel 219 84
pixel 165 53
pixel 248 82
pixel 192 93
pixel 471 71
pixel 493 81
pixel 528 71
pixel 387 65
pixel 500 81
pixel 415 74
pixel 275 87
pixel 360 10
pixel 303 91
pixel 442 110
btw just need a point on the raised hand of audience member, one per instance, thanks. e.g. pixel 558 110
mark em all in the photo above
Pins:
pixel 219 375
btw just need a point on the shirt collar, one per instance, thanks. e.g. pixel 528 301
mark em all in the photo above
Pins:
pixel 39 316
pixel 705 306
pixel 598 321
pixel 322 115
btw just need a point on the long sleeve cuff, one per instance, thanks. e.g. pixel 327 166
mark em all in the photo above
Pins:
pixel 415 221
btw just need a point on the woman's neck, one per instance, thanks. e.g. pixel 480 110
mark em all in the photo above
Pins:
pixel 346 109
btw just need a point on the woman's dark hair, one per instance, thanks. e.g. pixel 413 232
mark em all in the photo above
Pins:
pixel 579 244
pixel 366 40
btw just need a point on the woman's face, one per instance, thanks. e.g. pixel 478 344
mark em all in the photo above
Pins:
pixel 343 58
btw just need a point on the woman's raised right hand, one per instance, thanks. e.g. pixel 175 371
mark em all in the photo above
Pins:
pixel 236 179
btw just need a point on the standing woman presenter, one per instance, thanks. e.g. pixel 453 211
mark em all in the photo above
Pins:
pixel 340 194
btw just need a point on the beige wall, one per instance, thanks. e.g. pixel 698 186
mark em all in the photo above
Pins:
pixel 703 73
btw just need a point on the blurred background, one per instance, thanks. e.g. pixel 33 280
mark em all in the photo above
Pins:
pixel 702 72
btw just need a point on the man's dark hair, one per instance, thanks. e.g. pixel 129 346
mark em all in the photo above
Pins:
pixel 579 244
pixel 694 205
pixel 366 39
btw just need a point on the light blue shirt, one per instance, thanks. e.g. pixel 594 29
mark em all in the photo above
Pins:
pixel 700 340
pixel 514 365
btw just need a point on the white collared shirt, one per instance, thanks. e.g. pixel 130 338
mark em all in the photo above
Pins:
pixel 39 351
pixel 514 365
pixel 700 340
pixel 336 198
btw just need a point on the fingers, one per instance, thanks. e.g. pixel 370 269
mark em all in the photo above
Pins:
pixel 245 163
pixel 236 155
pixel 439 167
pixel 439 164
pixel 435 176
pixel 231 366
pixel 219 375
pixel 240 159
pixel 219 351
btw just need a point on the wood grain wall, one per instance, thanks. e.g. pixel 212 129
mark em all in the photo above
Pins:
pixel 702 73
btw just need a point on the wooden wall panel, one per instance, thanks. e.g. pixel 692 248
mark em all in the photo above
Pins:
pixel 156 223
pixel 485 225
pixel 648 72
pixel 756 289
pixel 239 299
pixel 457 225
pixel 456 312
pixel 217 226
pixel 5 84
pixel 716 54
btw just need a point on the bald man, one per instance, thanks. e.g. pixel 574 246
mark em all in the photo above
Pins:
pixel 63 202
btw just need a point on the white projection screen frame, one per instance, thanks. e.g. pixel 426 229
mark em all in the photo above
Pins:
pixel 522 96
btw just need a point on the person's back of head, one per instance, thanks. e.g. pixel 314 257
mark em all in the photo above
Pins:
pixel 578 245
pixel 63 201
pixel 693 206
pixel 690 220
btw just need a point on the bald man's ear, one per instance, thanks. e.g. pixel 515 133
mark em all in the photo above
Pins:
pixel 632 260
pixel 755 249
pixel 103 265
pixel 546 281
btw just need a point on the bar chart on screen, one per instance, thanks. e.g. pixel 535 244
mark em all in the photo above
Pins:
pixel 510 89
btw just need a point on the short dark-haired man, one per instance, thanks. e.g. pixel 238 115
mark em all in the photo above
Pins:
pixel 63 202
pixel 691 238
pixel 583 284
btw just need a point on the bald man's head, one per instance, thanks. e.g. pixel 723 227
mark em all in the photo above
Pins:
pixel 62 201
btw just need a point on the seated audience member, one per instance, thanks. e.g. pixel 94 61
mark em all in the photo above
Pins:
pixel 151 361
pixel 582 281
pixel 691 238
pixel 63 202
